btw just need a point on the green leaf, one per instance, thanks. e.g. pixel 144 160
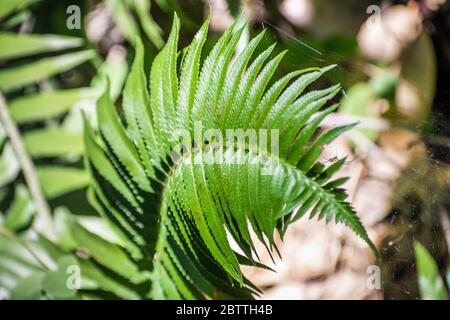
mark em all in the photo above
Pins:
pixel 115 70
pixel 29 288
pixel 163 88
pixel 93 277
pixel 10 6
pixel 167 5
pixel 114 133
pixel 100 227
pixel 106 253
pixel 137 111
pixel 360 97
pixel 45 105
pixel 105 282
pixel 56 181
pixel 19 45
pixel 9 166
pixel 17 260
pixel 151 28
pixel 17 19
pixel 234 6
pixel 61 224
pixel 16 77
pixel 62 283
pixel 21 211
pixel 431 285
pixel 189 76
pixel 53 142
pixel 124 19
pixel 180 203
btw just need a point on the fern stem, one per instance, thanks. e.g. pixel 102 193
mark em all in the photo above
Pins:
pixel 44 220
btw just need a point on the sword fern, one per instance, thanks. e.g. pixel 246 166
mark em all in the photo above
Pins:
pixel 176 209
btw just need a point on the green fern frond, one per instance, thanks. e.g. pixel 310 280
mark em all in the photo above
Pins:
pixel 178 204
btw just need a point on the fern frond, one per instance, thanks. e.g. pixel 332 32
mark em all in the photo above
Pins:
pixel 179 203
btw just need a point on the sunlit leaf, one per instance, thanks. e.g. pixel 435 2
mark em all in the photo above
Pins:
pixel 29 288
pixel 16 77
pixel 21 211
pixel 56 181
pixel 124 19
pixel 52 142
pixel 62 283
pixel 431 285
pixel 47 104
pixel 17 262
pixel 151 28
pixel 9 166
pixel 9 6
pixel 177 206
pixel 18 45
pixel 105 253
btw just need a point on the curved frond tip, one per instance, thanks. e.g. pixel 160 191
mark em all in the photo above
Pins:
pixel 212 151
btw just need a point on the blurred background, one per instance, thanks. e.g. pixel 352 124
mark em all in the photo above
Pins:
pixel 393 61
